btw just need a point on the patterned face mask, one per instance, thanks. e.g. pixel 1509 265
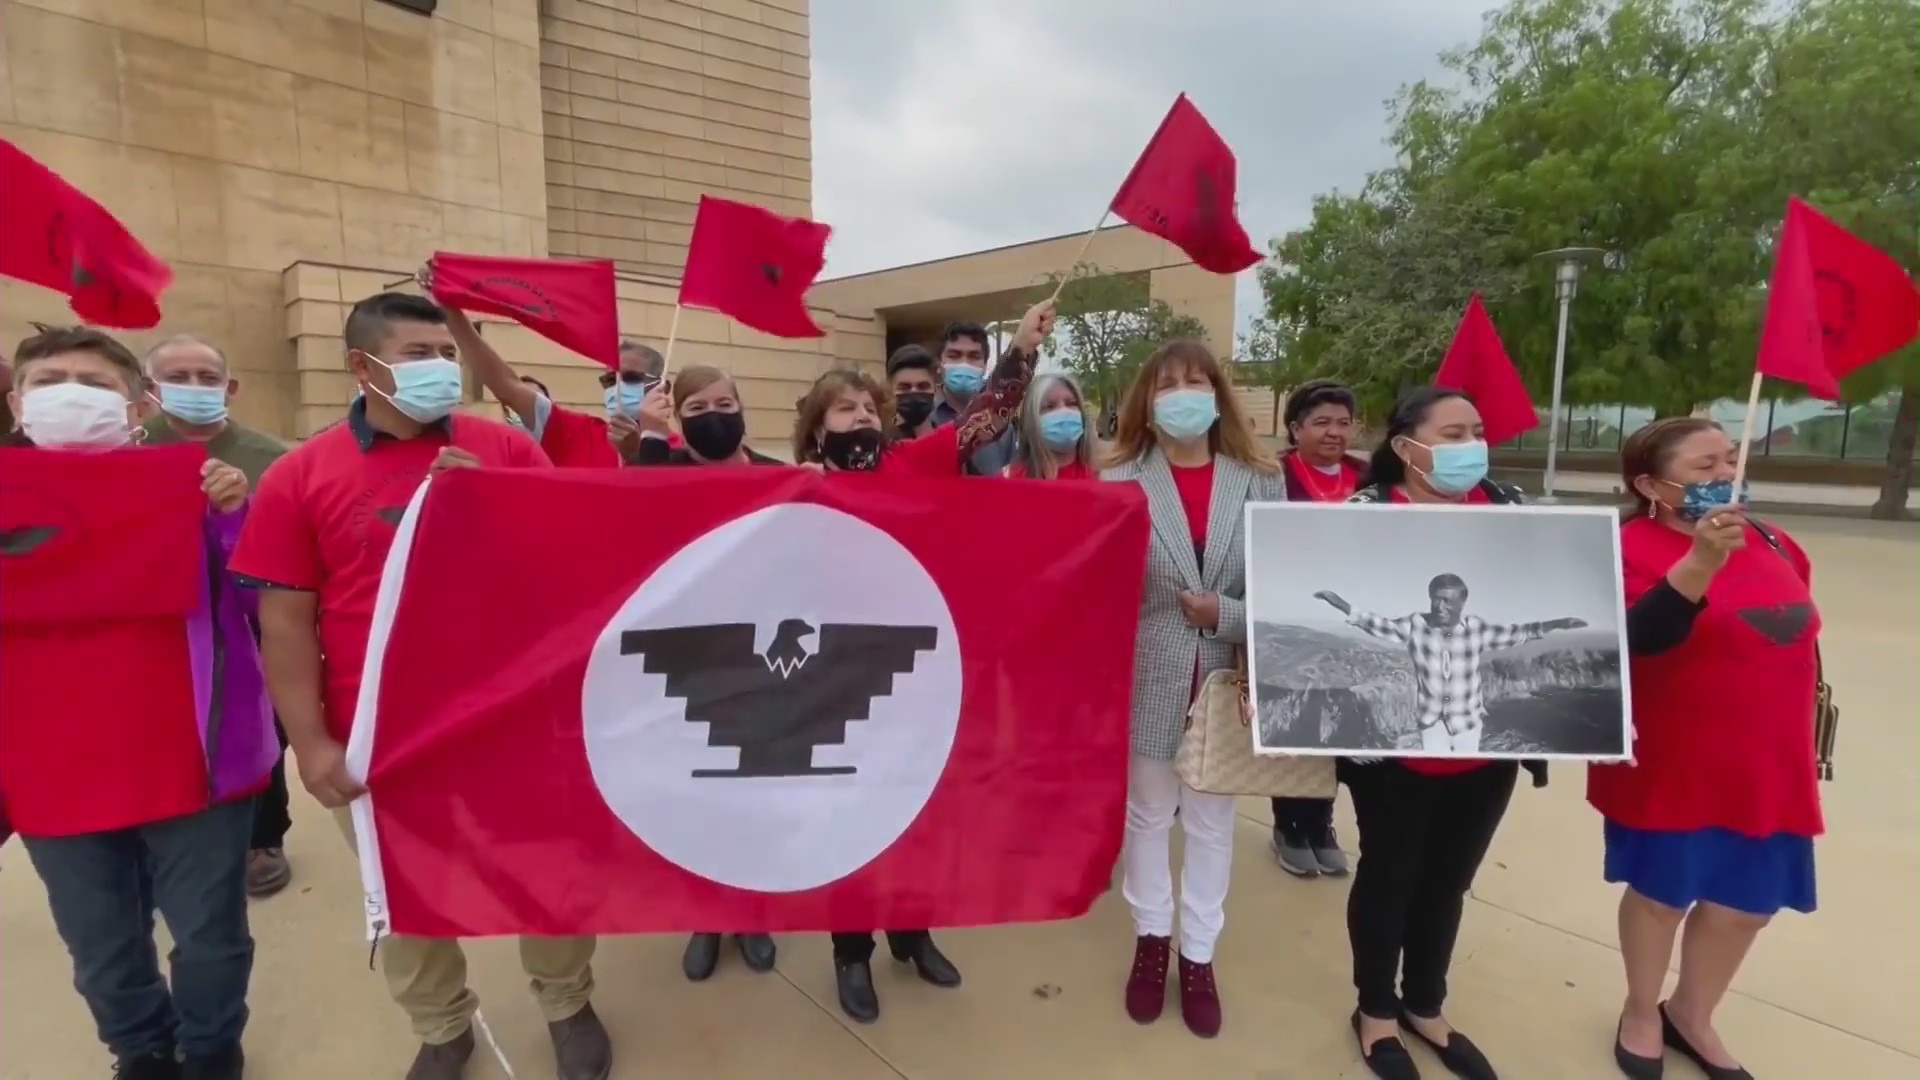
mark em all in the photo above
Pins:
pixel 1702 496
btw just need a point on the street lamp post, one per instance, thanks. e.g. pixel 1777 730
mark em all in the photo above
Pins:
pixel 1567 264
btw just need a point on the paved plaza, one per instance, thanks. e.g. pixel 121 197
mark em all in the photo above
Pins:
pixel 1536 981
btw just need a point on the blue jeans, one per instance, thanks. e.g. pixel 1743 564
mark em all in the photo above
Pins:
pixel 104 888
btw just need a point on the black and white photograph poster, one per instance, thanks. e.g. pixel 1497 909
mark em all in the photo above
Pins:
pixel 1412 631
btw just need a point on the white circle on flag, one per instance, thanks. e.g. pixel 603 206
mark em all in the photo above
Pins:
pixel 804 814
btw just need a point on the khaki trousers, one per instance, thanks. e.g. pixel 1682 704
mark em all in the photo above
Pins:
pixel 428 976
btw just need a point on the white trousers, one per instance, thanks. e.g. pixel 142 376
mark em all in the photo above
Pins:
pixel 1154 792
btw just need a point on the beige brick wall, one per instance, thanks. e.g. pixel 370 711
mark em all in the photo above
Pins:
pixel 651 103
pixel 236 137
pixel 771 372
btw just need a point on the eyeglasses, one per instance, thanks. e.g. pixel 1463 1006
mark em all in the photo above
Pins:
pixel 632 378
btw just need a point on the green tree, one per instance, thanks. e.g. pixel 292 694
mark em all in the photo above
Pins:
pixel 1107 325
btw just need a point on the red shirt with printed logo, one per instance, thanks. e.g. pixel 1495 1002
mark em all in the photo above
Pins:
pixel 1723 721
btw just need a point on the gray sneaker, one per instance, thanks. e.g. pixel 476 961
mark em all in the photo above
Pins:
pixel 1294 854
pixel 1327 854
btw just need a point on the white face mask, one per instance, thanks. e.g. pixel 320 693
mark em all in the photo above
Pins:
pixel 74 416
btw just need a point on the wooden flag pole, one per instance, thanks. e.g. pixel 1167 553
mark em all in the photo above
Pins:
pixel 673 332
pixel 1085 245
pixel 1746 436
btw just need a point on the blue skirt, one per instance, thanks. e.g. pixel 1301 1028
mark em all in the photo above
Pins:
pixel 1757 875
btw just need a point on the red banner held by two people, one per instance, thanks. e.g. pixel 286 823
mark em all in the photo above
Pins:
pixel 794 703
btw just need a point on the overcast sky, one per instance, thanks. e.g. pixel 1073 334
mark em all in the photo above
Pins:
pixel 946 126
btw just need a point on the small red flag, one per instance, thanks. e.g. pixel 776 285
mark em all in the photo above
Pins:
pixel 567 301
pixel 822 737
pixel 55 236
pixel 1182 190
pixel 1477 365
pixel 1836 303
pixel 755 266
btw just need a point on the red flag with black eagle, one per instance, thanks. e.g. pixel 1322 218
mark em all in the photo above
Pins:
pixel 54 235
pixel 754 266
pixel 792 702
pixel 1835 304
pixel 1182 190
pixel 570 302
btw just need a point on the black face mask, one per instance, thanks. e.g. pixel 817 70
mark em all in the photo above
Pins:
pixel 855 450
pixel 914 407
pixel 714 436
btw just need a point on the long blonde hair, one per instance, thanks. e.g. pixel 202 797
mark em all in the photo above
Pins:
pixel 1034 455
pixel 1232 435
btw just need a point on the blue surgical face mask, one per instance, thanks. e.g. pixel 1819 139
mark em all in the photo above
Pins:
pixel 194 404
pixel 1697 498
pixel 1457 467
pixel 1061 429
pixel 623 399
pixel 424 390
pixel 1185 414
pixel 962 382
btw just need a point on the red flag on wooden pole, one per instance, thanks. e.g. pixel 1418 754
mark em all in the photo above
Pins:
pixel 755 266
pixel 1477 365
pixel 1182 190
pixel 1836 303
pixel 572 303
pixel 55 235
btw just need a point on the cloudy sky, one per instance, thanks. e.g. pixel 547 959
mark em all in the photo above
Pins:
pixel 947 126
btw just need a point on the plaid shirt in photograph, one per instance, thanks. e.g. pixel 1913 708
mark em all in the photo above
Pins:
pixel 1446 662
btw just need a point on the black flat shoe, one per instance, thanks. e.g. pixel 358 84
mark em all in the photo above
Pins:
pixel 1459 1055
pixel 701 957
pixel 1632 1065
pixel 1387 1058
pixel 857 997
pixel 757 950
pixel 1676 1041
pixel 929 961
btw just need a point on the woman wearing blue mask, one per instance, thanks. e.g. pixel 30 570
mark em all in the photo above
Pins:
pixel 1183 439
pixel 1425 824
pixel 1054 443
pixel 1711 828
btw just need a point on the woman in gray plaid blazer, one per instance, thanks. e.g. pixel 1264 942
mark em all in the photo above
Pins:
pixel 1184 440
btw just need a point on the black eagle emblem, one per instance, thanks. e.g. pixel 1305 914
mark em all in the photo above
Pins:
pixel 772 273
pixel 391 514
pixel 1781 624
pixel 777 707
pixel 23 540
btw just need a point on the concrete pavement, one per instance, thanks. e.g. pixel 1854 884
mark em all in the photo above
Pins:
pixel 1536 980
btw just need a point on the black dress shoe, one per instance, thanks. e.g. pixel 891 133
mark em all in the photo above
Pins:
pixel 1387 1058
pixel 757 950
pixel 701 957
pixel 1672 1037
pixel 857 997
pixel 1459 1055
pixel 928 960
pixel 1632 1065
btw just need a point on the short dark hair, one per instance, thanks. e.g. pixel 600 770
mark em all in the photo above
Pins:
pixel 1385 468
pixel 1445 581
pixel 1648 451
pixel 910 357
pixel 1309 396
pixel 367 322
pixel 48 341
pixel 955 331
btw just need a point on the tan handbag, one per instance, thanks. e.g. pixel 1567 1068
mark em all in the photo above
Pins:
pixel 1216 751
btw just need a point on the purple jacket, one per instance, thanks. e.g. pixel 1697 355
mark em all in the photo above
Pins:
pixel 229 685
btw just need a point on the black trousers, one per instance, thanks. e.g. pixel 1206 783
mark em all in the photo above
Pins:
pixel 271 818
pixel 1421 841
pixel 857 947
pixel 1309 817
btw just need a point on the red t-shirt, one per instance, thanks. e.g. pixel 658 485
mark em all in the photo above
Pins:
pixel 576 439
pixel 1195 485
pixel 1444 766
pixel 1072 470
pixel 1724 721
pixel 324 516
